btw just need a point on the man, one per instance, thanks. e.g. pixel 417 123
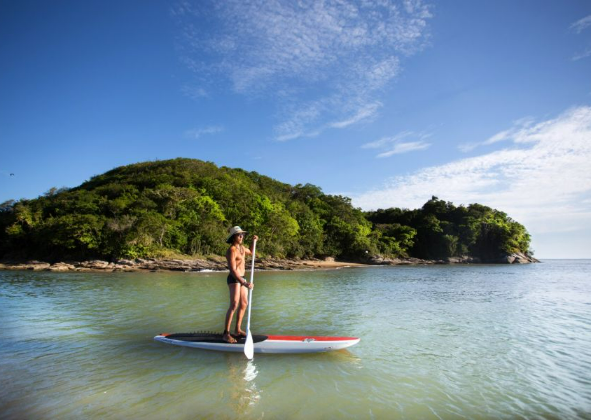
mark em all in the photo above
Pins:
pixel 236 257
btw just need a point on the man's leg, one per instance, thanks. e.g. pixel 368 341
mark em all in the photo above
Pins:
pixel 234 302
pixel 241 310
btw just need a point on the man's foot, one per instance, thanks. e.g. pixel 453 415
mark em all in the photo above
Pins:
pixel 240 334
pixel 228 338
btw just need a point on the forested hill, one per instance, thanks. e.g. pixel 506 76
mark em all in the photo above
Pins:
pixel 186 206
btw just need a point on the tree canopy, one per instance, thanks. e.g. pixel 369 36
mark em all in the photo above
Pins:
pixel 186 206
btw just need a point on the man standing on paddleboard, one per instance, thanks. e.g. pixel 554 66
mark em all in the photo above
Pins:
pixel 236 257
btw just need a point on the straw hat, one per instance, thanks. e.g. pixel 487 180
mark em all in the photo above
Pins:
pixel 235 230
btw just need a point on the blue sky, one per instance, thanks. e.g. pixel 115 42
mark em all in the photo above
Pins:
pixel 386 102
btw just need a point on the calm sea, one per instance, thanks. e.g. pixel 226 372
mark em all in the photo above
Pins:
pixel 436 342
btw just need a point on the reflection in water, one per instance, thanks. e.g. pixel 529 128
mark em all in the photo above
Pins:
pixel 244 393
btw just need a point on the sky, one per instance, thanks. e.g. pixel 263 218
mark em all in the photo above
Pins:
pixel 386 102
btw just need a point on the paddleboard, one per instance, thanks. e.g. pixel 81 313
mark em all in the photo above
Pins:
pixel 262 343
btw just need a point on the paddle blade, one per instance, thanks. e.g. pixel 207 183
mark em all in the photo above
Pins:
pixel 249 346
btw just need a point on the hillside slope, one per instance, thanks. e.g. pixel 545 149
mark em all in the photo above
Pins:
pixel 186 206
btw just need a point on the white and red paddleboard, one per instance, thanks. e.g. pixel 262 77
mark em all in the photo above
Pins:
pixel 262 343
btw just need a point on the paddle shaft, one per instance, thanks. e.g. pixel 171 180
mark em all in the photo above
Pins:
pixel 254 247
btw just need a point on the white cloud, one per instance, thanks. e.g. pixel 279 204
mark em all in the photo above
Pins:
pixel 394 145
pixel 581 24
pixel 194 92
pixel 195 133
pixel 467 147
pixel 582 55
pixel 387 140
pixel 336 56
pixel 517 133
pixel 400 148
pixel 295 127
pixel 543 180
pixel 365 113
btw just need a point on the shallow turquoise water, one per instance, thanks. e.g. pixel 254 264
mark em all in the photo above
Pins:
pixel 436 342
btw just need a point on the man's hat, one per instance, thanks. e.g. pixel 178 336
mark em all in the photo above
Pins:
pixel 235 230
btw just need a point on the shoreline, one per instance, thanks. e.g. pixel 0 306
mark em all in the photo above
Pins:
pixel 218 264
pixel 171 265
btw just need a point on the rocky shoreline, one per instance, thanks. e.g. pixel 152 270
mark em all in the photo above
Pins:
pixel 219 264
pixel 516 258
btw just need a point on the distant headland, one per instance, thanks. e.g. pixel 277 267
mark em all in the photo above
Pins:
pixel 175 215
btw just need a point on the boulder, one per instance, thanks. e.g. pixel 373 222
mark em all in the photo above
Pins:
pixel 36 265
pixel 95 264
pixel 521 259
pixel 517 258
pixel 463 259
pixel 61 266
pixel 377 260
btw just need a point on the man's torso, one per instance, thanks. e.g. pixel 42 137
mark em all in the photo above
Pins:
pixel 239 254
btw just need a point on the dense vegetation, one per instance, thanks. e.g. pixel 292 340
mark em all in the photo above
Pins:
pixel 186 206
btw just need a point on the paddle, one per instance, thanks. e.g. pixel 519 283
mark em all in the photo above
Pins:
pixel 249 345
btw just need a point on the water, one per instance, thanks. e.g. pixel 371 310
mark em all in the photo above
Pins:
pixel 436 342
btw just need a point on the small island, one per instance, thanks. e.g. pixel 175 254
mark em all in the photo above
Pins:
pixel 174 215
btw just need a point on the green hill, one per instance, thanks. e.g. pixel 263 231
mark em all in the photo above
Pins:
pixel 186 206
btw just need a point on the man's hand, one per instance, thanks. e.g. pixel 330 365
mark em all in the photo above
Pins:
pixel 255 238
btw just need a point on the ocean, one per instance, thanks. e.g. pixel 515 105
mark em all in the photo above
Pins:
pixel 445 341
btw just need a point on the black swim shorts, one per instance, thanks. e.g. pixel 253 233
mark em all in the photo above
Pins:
pixel 232 280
